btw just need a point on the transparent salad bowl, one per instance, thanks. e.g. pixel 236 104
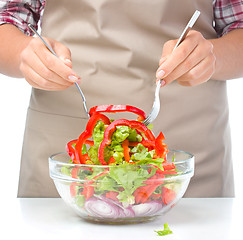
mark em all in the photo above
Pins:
pixel 122 194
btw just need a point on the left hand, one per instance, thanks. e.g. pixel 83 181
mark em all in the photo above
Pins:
pixel 192 63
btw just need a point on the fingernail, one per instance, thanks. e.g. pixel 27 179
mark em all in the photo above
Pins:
pixel 160 74
pixel 73 78
pixel 67 60
pixel 162 83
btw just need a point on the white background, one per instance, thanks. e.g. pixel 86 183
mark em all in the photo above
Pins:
pixel 14 99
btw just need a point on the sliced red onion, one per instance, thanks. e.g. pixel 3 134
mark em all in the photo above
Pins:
pixel 146 209
pixel 126 212
pixel 99 208
pixel 107 208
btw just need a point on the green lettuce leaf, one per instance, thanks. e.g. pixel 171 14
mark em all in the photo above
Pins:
pixel 98 133
pixel 121 133
pixel 93 155
pixel 129 180
pixel 84 149
pixel 141 153
pixel 166 230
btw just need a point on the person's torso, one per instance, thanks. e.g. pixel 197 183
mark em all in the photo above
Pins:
pixel 116 46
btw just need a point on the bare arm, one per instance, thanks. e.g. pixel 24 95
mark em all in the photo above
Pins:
pixel 13 42
pixel 229 55
pixel 23 56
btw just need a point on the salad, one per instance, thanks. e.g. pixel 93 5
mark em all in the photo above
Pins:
pixel 120 166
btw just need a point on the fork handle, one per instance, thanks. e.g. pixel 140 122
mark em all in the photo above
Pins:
pixel 184 33
pixel 52 51
pixel 187 28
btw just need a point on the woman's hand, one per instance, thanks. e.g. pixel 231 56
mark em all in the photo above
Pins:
pixel 191 63
pixel 43 70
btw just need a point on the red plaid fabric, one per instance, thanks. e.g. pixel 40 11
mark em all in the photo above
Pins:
pixel 21 13
pixel 228 14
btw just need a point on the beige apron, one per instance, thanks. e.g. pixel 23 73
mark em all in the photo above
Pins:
pixel 116 46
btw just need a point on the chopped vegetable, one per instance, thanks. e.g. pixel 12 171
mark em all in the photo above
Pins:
pixel 83 158
pixel 147 209
pixel 118 108
pixel 106 208
pixel 166 230
pixel 138 186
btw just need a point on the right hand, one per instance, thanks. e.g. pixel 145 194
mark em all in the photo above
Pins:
pixel 43 70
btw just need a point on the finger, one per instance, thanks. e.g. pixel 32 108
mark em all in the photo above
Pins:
pixel 37 81
pixel 167 49
pixel 44 72
pixel 178 56
pixel 200 52
pixel 202 79
pixel 201 73
pixel 32 83
pixel 61 50
pixel 63 53
pixel 68 62
pixel 56 65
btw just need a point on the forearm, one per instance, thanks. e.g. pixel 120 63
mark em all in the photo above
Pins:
pixel 229 55
pixel 13 41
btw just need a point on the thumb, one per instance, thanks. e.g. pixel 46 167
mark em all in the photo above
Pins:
pixel 62 52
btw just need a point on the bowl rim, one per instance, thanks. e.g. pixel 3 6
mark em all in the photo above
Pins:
pixel 186 174
pixel 190 158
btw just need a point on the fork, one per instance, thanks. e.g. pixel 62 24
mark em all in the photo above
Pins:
pixel 156 105
pixel 51 50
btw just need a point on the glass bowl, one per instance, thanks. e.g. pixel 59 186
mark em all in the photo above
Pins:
pixel 121 194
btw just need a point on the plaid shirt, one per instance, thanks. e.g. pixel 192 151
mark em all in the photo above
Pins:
pixel 228 14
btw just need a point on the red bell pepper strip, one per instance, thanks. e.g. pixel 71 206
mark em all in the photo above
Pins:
pixel 133 144
pixel 80 158
pixel 111 129
pixel 160 147
pixel 143 193
pixel 146 143
pixel 73 190
pixel 88 190
pixel 169 166
pixel 170 172
pixel 161 173
pixel 168 195
pixel 139 195
pixel 71 149
pixel 101 174
pixel 74 174
pixel 126 150
pixel 112 195
pixel 89 142
pixel 118 108
pixel 112 160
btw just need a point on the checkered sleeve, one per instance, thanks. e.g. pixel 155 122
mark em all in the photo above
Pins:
pixel 228 15
pixel 21 13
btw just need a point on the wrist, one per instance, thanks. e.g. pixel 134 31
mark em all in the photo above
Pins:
pixel 228 52
pixel 23 42
pixel 218 57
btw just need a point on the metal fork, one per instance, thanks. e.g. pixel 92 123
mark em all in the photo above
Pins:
pixel 156 105
pixel 51 50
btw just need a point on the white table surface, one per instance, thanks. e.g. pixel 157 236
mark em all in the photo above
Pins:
pixel 51 218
